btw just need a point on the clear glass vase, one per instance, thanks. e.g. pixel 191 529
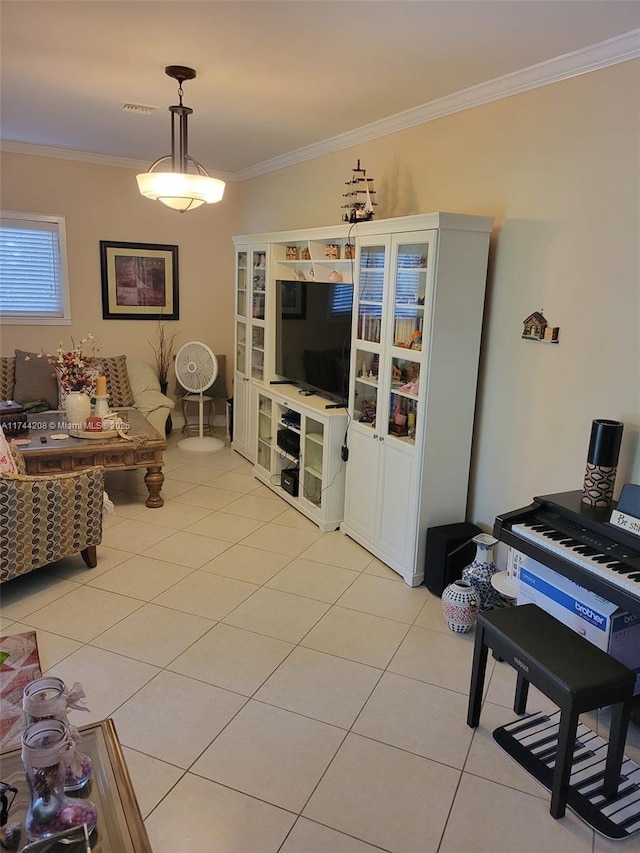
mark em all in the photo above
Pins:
pixel 49 699
pixel 46 747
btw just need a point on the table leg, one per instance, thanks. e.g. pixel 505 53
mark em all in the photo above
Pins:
pixel 154 478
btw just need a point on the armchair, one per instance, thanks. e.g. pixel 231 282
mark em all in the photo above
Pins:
pixel 44 518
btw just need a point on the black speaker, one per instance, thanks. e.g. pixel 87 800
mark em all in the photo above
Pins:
pixel 289 481
pixel 447 554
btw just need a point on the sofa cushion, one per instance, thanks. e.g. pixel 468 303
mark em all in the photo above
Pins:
pixel 7 461
pixel 7 377
pixel 35 379
pixel 118 385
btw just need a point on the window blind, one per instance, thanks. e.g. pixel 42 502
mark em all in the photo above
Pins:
pixel 32 268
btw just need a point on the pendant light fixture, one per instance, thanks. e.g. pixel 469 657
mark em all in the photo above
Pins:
pixel 179 188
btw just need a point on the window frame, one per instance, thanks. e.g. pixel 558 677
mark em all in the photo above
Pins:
pixel 43 319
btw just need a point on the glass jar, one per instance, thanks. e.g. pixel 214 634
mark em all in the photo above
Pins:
pixel 48 699
pixel 46 748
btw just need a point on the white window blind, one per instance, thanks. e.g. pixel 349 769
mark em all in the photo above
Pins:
pixel 33 269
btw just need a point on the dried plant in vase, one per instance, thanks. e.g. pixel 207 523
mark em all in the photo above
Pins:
pixel 163 347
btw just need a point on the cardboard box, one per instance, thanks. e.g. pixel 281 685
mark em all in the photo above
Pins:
pixel 602 623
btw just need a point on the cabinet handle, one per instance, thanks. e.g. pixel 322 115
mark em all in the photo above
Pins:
pixel 375 435
pixel 380 438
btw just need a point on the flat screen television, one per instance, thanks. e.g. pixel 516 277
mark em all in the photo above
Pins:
pixel 313 336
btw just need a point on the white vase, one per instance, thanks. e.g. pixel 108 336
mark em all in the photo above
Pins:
pixel 480 571
pixel 460 605
pixel 77 408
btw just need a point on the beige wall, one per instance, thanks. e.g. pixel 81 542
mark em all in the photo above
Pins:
pixel 103 203
pixel 557 167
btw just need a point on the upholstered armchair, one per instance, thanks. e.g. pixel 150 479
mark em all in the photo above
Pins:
pixel 44 518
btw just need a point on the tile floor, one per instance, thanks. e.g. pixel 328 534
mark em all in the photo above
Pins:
pixel 279 689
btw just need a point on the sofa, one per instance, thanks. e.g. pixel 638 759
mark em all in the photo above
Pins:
pixel 48 517
pixel 28 378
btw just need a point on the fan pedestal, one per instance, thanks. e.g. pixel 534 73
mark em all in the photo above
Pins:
pixel 206 444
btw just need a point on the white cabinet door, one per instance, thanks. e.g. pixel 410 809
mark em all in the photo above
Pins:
pixel 398 511
pixel 361 499
pixel 240 411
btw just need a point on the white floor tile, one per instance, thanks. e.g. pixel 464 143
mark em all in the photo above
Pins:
pixel 108 680
pixel 153 634
pixel 132 534
pixel 225 527
pixel 253 506
pixel 151 778
pixel 52 648
pixel 31 592
pixel 251 753
pixel 313 580
pixel 174 718
pixel 277 614
pixel 320 686
pixel 206 595
pixel 271 538
pixel 247 564
pixel 187 549
pixel 219 818
pixel 310 837
pixel 401 801
pixel 232 658
pixel 206 497
pixel 338 550
pixel 140 577
pixel 83 613
pixel 356 636
pixel 382 597
pixel 490 818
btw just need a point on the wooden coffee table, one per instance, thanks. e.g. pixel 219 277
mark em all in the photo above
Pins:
pixel 120 827
pixel 114 454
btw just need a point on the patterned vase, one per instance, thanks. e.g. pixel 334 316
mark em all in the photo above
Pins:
pixel 77 407
pixel 480 571
pixel 460 605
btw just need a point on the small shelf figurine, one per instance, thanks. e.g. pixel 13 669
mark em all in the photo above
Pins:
pixel 536 328
pixel 360 198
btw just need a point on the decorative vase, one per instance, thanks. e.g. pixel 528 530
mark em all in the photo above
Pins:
pixel 49 699
pixel 46 748
pixel 77 407
pixel 169 423
pixel 460 605
pixel 481 570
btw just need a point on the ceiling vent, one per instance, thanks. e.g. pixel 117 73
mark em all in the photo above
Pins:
pixel 141 109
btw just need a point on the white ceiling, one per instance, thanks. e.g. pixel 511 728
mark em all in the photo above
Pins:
pixel 273 77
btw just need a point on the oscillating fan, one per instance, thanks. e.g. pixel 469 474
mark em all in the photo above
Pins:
pixel 196 370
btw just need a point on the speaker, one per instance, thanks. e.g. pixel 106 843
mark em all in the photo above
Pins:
pixel 447 554
pixel 289 481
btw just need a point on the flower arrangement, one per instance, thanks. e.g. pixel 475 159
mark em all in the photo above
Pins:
pixel 75 370
pixel 163 349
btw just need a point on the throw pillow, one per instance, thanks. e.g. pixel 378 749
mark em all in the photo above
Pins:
pixel 35 379
pixel 7 462
pixel 118 385
pixel 7 377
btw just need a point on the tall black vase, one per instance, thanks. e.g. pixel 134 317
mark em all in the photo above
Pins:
pixel 169 424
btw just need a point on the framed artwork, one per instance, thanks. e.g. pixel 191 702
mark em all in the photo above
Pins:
pixel 139 281
pixel 294 300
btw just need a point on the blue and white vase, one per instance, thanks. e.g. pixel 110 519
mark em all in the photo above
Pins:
pixel 481 570
pixel 460 605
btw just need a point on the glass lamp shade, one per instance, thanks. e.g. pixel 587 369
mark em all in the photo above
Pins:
pixel 180 191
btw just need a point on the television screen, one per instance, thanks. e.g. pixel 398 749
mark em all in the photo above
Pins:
pixel 313 336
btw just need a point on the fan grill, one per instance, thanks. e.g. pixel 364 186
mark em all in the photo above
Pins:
pixel 196 367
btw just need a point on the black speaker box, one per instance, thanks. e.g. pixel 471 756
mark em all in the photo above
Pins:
pixel 289 481
pixel 447 554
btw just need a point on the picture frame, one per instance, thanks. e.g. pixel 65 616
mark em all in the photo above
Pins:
pixel 139 281
pixel 294 300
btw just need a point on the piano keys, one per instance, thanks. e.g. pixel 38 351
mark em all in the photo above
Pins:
pixel 577 541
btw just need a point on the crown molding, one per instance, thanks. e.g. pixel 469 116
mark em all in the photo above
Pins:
pixel 601 55
pixel 88 157
pixel 610 52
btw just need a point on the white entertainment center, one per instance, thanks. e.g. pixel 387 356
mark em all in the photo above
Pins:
pixel 385 455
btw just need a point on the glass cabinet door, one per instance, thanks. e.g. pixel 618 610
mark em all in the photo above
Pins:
pixel 241 284
pixel 265 432
pixel 257 353
pixel 409 295
pixel 370 298
pixel 258 283
pixel 241 347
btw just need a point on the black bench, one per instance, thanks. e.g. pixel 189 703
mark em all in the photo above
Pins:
pixel 576 675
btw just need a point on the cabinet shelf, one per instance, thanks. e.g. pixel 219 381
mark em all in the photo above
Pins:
pixel 314 473
pixel 315 437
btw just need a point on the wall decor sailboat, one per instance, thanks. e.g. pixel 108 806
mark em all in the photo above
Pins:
pixel 360 197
